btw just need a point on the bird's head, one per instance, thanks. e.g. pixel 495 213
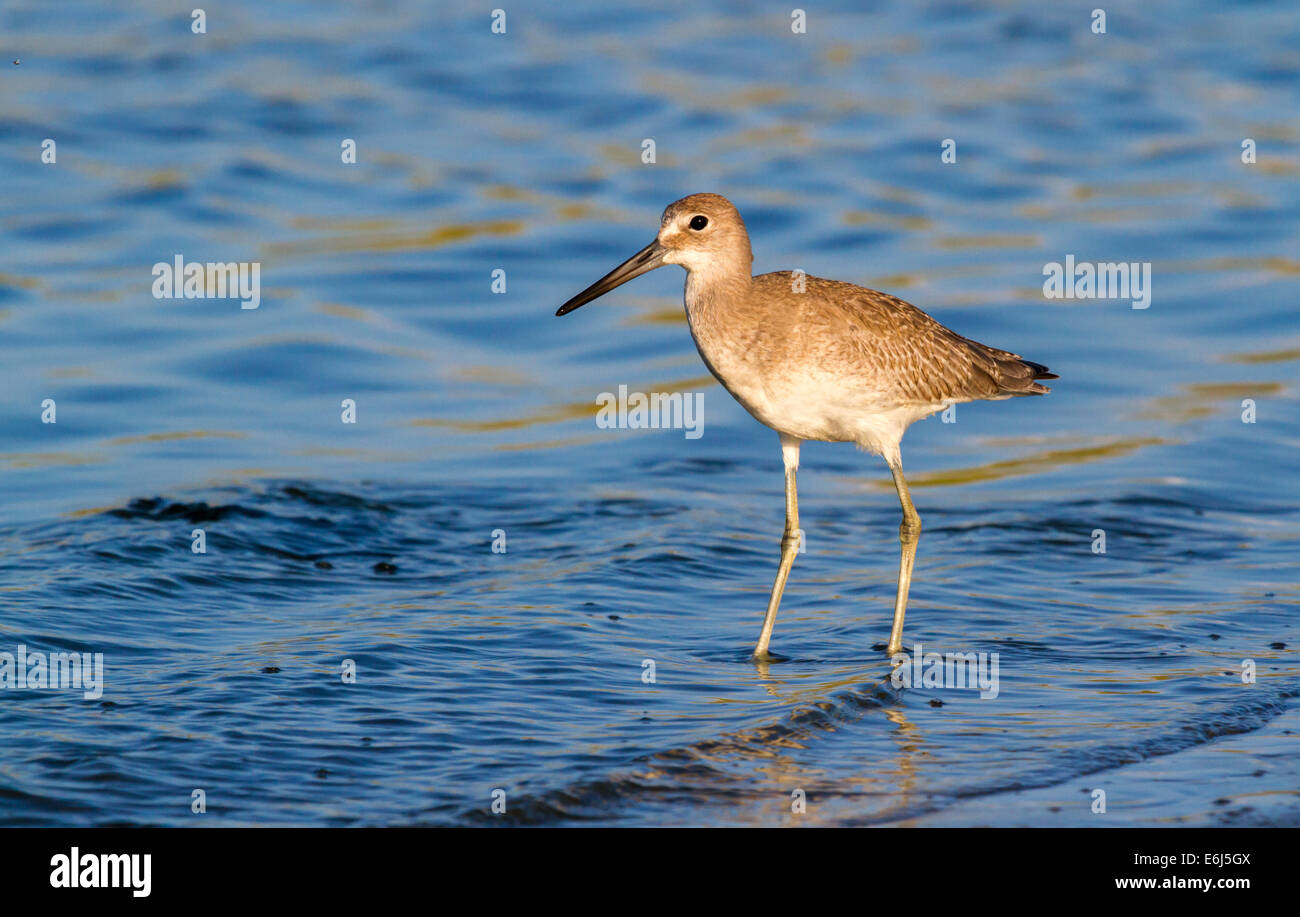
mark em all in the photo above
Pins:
pixel 702 232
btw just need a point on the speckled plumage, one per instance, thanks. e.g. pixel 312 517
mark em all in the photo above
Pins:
pixel 827 360
pixel 853 350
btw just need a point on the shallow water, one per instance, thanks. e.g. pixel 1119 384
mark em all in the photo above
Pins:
pixel 523 670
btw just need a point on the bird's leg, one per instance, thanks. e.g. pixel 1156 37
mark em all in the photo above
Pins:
pixel 789 542
pixel 909 533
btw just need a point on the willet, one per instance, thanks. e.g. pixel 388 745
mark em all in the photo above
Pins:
pixel 817 359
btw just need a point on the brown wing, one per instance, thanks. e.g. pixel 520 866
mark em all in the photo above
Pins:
pixel 903 352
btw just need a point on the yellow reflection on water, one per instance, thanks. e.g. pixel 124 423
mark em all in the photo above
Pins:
pixel 1204 399
pixel 1043 460
pixel 177 435
pixel 380 241
pixel 988 240
pixel 46 459
pixel 1263 356
pixel 573 410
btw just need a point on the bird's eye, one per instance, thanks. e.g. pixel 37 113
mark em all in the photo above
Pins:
pixel 699 222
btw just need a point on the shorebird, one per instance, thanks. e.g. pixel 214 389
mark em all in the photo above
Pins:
pixel 817 359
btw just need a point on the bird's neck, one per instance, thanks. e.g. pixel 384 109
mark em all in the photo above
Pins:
pixel 715 312
pixel 713 291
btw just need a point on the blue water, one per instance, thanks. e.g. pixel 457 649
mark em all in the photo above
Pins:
pixel 523 671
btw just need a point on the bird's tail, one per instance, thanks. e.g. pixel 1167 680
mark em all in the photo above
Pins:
pixel 1012 374
pixel 1019 377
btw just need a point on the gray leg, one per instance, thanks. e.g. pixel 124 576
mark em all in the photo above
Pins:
pixel 789 542
pixel 909 533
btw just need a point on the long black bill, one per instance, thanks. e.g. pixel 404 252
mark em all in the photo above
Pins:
pixel 647 259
